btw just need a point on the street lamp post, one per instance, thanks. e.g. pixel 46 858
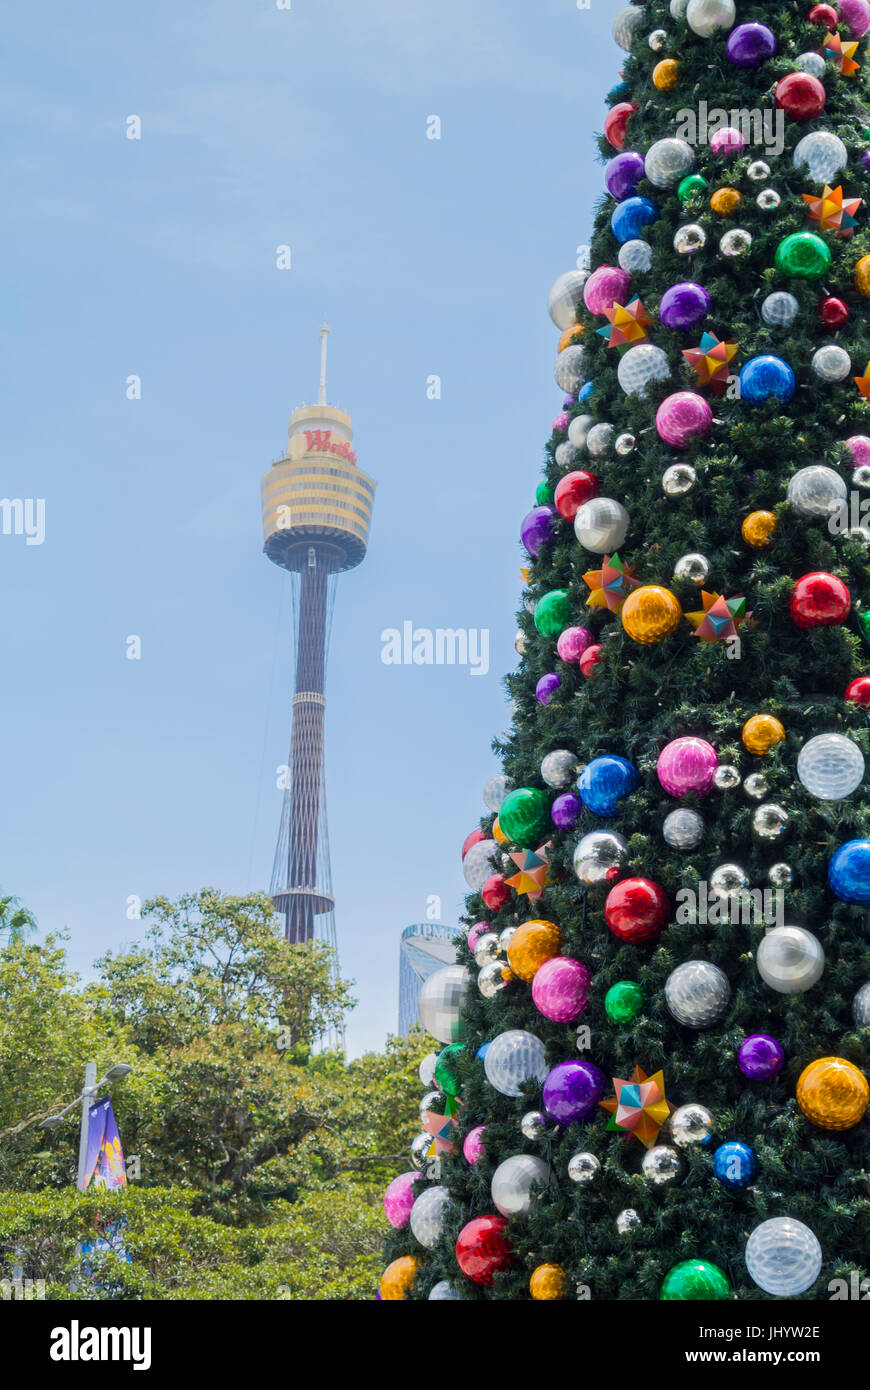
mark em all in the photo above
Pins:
pixel 86 1100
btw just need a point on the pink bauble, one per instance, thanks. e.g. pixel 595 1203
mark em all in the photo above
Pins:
pixel 683 416
pixel 560 989
pixel 572 643
pixel 561 422
pixel 727 142
pixel 606 284
pixel 856 13
pixel 474 838
pixel 687 765
pixel 399 1199
pixel 476 932
pixel 472 1144
pixel 859 448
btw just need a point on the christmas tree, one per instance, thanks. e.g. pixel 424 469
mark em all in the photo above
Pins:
pixel 654 1075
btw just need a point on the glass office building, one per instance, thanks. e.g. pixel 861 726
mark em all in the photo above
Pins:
pixel 425 947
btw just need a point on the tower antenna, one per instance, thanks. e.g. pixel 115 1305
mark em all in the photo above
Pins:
pixel 325 331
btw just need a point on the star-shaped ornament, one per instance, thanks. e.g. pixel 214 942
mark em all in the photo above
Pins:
pixel 534 872
pixel 628 324
pixel 711 362
pixel 841 54
pixel 441 1128
pixel 863 383
pixel 720 618
pixel 832 211
pixel 640 1106
pixel 610 586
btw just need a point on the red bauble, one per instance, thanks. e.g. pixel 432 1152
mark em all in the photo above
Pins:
pixel 473 839
pixel 590 659
pixel 801 96
pixel 573 490
pixel 833 313
pixel 819 600
pixel 483 1248
pixel 616 121
pixel 858 690
pixel 824 14
pixel 637 909
pixel 495 892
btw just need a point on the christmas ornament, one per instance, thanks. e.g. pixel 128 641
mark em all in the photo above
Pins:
pixel 570 369
pixel 660 1165
pixel 627 1221
pixel 578 430
pixel 514 1058
pixel 573 490
pixel 861 1006
pixel 689 239
pixel 444 1292
pixel 628 220
pixel 760 1057
pixel 623 173
pixel 626 24
pixel 398 1278
pixel 495 791
pixel 658 39
pixel 697 994
pixel 486 948
pixel 765 379
pixel 711 362
pixel 625 445
pixel 604 782
pixel 770 821
pixel 755 786
pixel 524 816
pixel 783 1257
pixel 566 298
pixel 840 54
pixel 640 1106
pixel 546 688
pixel 695 1281
pixel 483 1248
pixel 856 14
pixel 726 201
pixel 849 872
pixel 833 1093
pixel 514 1181
pixel 682 417
pixel 825 15
pixel 599 856
pixel 559 768
pixel 616 124
pixel 823 154
pixel 678 479
pixel 637 910
pixel 599 439
pixel 706 16
pixel 572 1090
pixel 565 810
pixel 548 1282
pixel 532 944
pixel 441 1000
pixel 534 1127
pixel 790 959
pixel 725 777
pixel 858 691
pixel 601 525
pixel 691 186
pixel 428 1216
pixel 761 733
pixel 720 618
pixel 667 161
pixel 830 766
pixel 768 199
pixel 684 305
pixel 779 309
pixel 758 171
pixel 819 600
pixel 801 96
pixel 493 978
pixel 572 643
pixel 687 764
pixel 590 659
pixel 691 1124
pixel 447 1077
pixel 560 989
pixel 572 337
pixel 495 893
pixel 780 875
pixel 650 614
pixel 640 366
pixel 472 1144
pixel 832 211
pixel 606 285
pixel 735 243
pixel 635 256
pixel 750 45
pixel 683 829
pixel 553 612
pixel 399 1199
pixel 802 256
pixel 811 62
pixel 538 529
pixel 610 585
pixel 758 529
pixel 833 363
pixel 583 1168
pixel 426 1069
pixel 735 1165
pixel 666 74
pixel 623 1001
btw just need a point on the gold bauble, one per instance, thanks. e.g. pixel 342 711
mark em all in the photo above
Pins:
pixel 761 733
pixel 532 944
pixel 833 1093
pixel 498 833
pixel 548 1282
pixel 650 614
pixel 666 74
pixel 758 528
pixel 726 201
pixel 571 336
pixel 398 1277
pixel 862 276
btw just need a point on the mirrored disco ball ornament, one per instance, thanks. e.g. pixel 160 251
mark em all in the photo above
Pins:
pixel 726 777
pixel 482 860
pixel 768 199
pixel 727 879
pixel 667 161
pixel 691 1124
pixel 641 365
pixel 758 171
pixel 689 239
pixel 566 298
pixel 486 948
pixel 736 242
pixel 770 821
pixel 599 439
pixel 426 1069
pixel 444 1292
pixel 627 1221
pixel 697 994
pixel 683 829
pixel 635 256
pixel 583 1168
pixel 428 1165
pixel 693 568
pixel 831 363
pixel 812 63
pixel 626 24
pixel 534 1126
pixel 520 643
pixel 755 786
pixel 779 309
pixel 493 978
pixel 861 1006
pixel 567 454
pixel 579 429
pixel 625 444
pixel 830 766
pixel 601 525
pixel 512 1059
pixel 570 369
pixel 506 937
pixel 599 857
pixel 678 479
pixel 660 1164
pixel 441 1001
pixel 849 872
pixel 495 791
pixel 790 959
pixel 783 1257
pixel 823 154
pixel 780 875
pixel 514 1181
pixel 657 40
pixel 706 16
pixel 428 1216
pixel 559 768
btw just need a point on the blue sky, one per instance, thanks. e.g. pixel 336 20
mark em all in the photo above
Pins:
pixel 263 127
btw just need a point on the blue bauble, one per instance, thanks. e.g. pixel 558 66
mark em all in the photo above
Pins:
pixel 849 871
pixel 766 379
pixel 585 392
pixel 628 219
pixel 620 90
pixel 735 1165
pixel 605 781
pixel 481 1052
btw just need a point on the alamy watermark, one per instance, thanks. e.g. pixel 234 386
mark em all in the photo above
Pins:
pixel 743 907
pixel 765 128
pixel 23 516
pixel 440 646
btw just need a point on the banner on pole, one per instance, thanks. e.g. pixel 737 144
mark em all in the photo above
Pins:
pixel 104 1161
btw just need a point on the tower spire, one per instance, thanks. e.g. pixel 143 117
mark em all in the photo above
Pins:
pixel 325 331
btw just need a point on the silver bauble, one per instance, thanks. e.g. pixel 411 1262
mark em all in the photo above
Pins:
pixel 428 1216
pixel 441 1001
pixel 813 63
pixel 625 445
pixel 755 785
pixel 570 369
pixel 678 479
pixel 735 242
pixel 660 1164
pixel 691 1124
pixel 599 439
pixel 579 429
pixel 831 363
pixel 697 994
pixel 694 568
pixel 861 476
pixel 861 1006
pixel 678 8
pixel 420 1158
pixel 567 455
pixel 667 161
pixel 480 863
pixel 689 239
pixel 640 366
pixel 534 1125
pixel 727 879
pixel 816 492
pixel 426 1069
pixel 758 170
pixel 601 525
pixel 434 1101
pixel 779 309
pixel 768 199
pixel 517 1182
pixel 706 16
pixel 599 856
pixel 486 949
pixel 627 1221
pixel 495 791
pixel 626 24
pixel 770 821
pixel 780 875
pixel 493 978
pixel 635 256
pixel 505 937
pixel 444 1292
pixel 683 829
pixel 565 299
pixel 657 40
pixel 725 777
pixel 823 153
pixel 559 768
pixel 790 959
pixel 583 1168
pixel 520 642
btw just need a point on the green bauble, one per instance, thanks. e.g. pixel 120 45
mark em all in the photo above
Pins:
pixel 553 613
pixel 544 494
pixel 695 1280
pixel 446 1073
pixel 864 625
pixel 803 255
pixel 524 816
pixel 689 186
pixel 623 1001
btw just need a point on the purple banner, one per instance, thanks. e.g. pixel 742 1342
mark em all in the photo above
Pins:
pixel 104 1161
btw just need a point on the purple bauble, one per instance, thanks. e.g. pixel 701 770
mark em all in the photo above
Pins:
pixel 569 402
pixel 761 1057
pixel 572 644
pixel 572 1090
pixel 858 446
pixel 687 765
pixel 750 45
pixel 728 142
pixel 539 528
pixel 623 173
pixel 682 417
pixel 684 305
pixel 560 989
pixel 605 285
pixel 856 13
pixel 565 810
pixel 865 160
pixel 399 1199
pixel 561 422
pixel 547 687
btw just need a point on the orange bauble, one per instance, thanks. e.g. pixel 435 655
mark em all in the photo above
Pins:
pixel 650 614
pixel 726 201
pixel 571 336
pixel 532 944
pixel 862 276
pixel 833 1093
pixel 498 833
pixel 761 733
pixel 758 528
pixel 398 1277
pixel 548 1282
pixel 666 74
